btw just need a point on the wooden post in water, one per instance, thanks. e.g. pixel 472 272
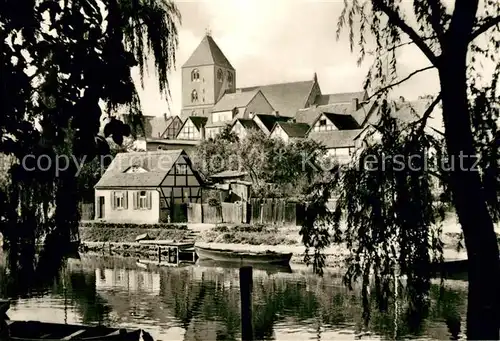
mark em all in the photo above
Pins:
pixel 246 283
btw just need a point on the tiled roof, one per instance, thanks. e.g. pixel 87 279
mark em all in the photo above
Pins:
pixel 208 53
pixel 234 100
pixel 310 115
pixel 286 98
pixel 157 164
pixel 294 129
pixel 247 123
pixel 229 174
pixel 364 112
pixel 342 121
pixel 198 121
pixel 335 138
pixel 345 97
pixel 158 125
pixel 405 112
pixel 270 120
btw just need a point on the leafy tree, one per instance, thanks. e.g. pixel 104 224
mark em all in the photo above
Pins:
pixel 276 168
pixel 60 61
pixel 390 213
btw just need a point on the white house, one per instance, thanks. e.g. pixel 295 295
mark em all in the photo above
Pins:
pixel 144 187
pixel 289 130
pixel 193 128
pixel 236 105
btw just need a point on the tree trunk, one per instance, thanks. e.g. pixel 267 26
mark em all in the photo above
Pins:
pixel 477 225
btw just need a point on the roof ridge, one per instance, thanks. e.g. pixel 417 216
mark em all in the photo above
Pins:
pixel 262 85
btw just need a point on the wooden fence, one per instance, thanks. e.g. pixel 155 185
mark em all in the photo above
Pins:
pixel 257 211
pixel 87 211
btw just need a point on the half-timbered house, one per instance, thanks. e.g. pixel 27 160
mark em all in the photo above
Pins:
pixel 147 187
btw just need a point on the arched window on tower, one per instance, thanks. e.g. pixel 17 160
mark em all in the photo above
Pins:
pixel 220 76
pixel 195 75
pixel 194 96
pixel 230 78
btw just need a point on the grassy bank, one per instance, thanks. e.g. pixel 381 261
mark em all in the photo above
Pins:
pixel 251 235
pixel 126 233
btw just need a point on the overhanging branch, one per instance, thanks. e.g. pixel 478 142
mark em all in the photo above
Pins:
pixel 485 27
pixel 423 121
pixel 395 19
pixel 385 88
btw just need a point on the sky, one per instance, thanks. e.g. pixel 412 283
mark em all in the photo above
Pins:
pixel 273 41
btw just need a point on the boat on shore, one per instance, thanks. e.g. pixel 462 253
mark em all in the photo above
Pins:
pixel 243 257
pixel 35 330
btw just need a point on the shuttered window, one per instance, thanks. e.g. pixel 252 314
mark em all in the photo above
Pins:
pixel 142 200
pixel 119 200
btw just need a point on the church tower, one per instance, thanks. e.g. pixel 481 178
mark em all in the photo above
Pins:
pixel 206 76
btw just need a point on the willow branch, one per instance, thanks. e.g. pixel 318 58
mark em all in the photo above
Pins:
pixel 423 121
pixel 385 88
pixel 436 14
pixel 395 19
pixel 485 27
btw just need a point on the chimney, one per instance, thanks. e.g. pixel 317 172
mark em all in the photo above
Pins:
pixel 251 115
pixel 276 113
pixel 355 104
pixel 202 133
pixel 165 116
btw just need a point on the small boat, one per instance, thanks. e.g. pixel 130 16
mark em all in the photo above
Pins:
pixel 243 257
pixel 35 330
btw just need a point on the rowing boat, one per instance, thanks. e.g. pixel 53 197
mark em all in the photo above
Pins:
pixel 35 331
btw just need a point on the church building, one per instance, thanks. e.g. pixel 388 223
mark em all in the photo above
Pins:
pixel 209 90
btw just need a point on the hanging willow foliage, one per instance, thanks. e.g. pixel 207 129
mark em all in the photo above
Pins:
pixel 60 61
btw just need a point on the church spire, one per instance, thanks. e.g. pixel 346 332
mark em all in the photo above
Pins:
pixel 315 78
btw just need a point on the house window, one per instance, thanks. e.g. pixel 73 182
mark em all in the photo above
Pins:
pixel 195 75
pixel 181 169
pixel 230 78
pixel 119 200
pixel 322 123
pixel 143 200
pixel 194 96
pixel 220 76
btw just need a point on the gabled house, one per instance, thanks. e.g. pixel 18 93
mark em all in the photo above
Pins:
pixel 173 127
pixel 241 127
pixel 289 130
pixel 329 121
pixel 266 122
pixel 193 128
pixel 340 144
pixel 146 187
pixel 236 105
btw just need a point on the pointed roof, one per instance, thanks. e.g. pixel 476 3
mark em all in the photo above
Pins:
pixel 157 164
pixel 286 98
pixel 208 53
pixel 235 100
pixel 293 129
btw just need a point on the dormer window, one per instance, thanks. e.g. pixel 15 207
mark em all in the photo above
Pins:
pixel 194 96
pixel 195 75
pixel 230 78
pixel 220 76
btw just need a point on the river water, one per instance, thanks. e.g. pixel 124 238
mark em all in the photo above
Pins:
pixel 202 303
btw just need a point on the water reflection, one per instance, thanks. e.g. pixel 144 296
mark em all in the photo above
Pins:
pixel 202 303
